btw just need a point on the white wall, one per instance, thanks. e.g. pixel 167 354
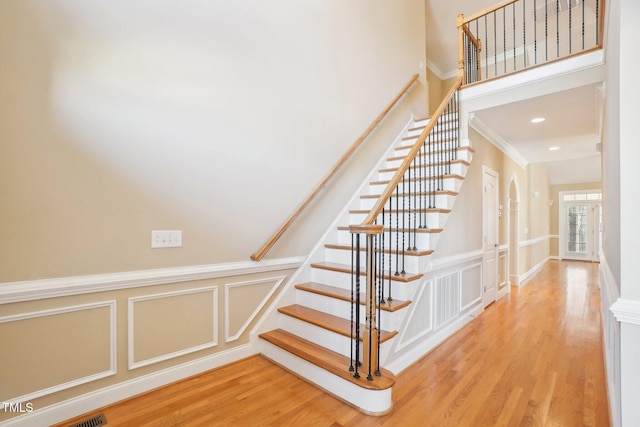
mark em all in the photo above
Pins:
pixel 621 201
pixel 216 118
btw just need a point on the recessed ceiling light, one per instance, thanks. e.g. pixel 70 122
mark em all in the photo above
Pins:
pixel 554 148
pixel 538 120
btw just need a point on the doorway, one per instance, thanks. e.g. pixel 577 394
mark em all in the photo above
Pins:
pixel 580 215
pixel 490 232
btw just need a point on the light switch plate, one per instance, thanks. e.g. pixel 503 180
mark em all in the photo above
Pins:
pixel 166 238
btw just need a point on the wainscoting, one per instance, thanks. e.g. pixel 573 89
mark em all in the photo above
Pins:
pixel 448 297
pixel 71 345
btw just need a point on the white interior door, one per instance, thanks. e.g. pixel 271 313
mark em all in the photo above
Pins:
pixel 490 240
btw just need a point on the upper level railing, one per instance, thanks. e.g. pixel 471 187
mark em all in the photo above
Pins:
pixel 257 256
pixel 518 34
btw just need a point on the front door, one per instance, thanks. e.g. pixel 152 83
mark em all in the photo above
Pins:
pixel 490 239
pixel 581 240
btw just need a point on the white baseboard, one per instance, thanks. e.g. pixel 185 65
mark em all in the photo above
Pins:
pixel 536 268
pixel 91 401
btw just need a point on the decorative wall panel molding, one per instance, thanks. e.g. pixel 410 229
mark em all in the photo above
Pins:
pixel 62 340
pixel 265 287
pixel 181 322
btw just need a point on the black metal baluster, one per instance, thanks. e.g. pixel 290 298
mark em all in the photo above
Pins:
pixel 423 194
pixel 495 44
pixel 431 170
pixel 478 56
pixel 357 308
pixel 535 32
pixel 524 32
pixel 570 26
pixel 421 179
pixel 381 298
pixel 353 272
pixel 409 196
pixel 582 24
pixel 397 272
pixel 486 46
pixel 597 22
pixel 514 35
pixel 504 37
pixel 557 28
pixel 416 197
pixel 404 199
pixel 390 247
pixel 546 30
pixel 371 269
pixel 380 273
pixel 440 162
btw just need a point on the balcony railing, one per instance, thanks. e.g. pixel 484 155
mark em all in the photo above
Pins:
pixel 519 34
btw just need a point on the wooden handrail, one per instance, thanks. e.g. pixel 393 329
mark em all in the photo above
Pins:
pixel 388 191
pixel 257 256
pixel 487 11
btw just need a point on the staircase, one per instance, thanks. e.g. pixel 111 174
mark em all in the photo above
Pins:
pixel 314 338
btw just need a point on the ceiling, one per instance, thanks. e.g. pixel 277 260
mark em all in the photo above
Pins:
pixel 572 117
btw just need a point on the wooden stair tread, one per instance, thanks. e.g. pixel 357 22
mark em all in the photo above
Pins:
pixel 326 359
pixel 424 178
pixel 419 194
pixel 342 268
pixel 345 295
pixel 412 210
pixel 400 230
pixel 327 321
pixel 433 164
pixel 461 148
pixel 419 252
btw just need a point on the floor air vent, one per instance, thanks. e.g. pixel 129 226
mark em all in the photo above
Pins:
pixel 98 420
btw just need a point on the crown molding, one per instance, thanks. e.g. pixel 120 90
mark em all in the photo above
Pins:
pixel 484 130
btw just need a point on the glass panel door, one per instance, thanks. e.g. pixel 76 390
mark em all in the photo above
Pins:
pixel 582 231
pixel 577 231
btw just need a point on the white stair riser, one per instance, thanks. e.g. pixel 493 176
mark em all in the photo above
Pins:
pixel 444 201
pixel 447 184
pixel 325 338
pixel 423 241
pixel 399 290
pixel 369 401
pixel 417 131
pixel 448 130
pixel 437 149
pixel 389 321
pixel 411 263
pixel 454 169
pixel 433 220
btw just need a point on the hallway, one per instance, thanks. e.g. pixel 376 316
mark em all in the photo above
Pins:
pixel 532 358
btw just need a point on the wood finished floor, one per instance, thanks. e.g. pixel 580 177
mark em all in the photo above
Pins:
pixel 533 358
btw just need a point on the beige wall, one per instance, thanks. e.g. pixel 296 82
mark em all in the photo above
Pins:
pixel 437 89
pixel 463 231
pixel 214 120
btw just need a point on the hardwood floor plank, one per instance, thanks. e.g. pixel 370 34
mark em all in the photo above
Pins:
pixel 533 358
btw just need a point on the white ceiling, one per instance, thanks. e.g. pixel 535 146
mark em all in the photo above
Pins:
pixel 571 116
